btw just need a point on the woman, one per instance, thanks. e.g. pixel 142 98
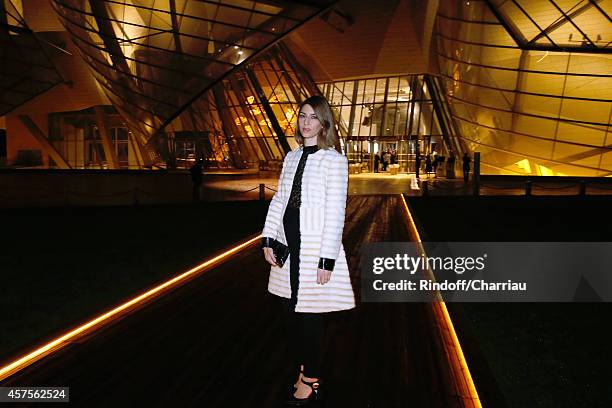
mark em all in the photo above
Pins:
pixel 307 214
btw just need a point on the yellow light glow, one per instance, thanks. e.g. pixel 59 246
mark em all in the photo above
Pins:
pixel 18 5
pixel 132 28
pixel 544 171
pixel 543 56
pixel 250 99
pixel 104 319
pixel 290 113
pixel 240 120
pixel 277 98
pixel 443 318
pixel 524 165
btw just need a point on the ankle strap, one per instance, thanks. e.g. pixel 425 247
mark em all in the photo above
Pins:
pixel 314 384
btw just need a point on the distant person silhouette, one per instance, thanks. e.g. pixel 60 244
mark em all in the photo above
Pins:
pixel 196 179
pixel 466 167
pixel 376 162
pixel 450 166
pixel 417 165
pixel 428 165
pixel 435 163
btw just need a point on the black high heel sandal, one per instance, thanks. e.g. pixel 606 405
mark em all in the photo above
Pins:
pixel 315 395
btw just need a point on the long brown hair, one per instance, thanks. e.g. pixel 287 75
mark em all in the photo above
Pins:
pixel 327 137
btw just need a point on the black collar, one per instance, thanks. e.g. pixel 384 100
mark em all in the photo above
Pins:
pixel 310 149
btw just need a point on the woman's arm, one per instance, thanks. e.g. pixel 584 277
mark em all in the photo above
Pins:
pixel 273 218
pixel 336 188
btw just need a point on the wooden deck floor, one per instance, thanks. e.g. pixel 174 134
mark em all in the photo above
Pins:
pixel 216 342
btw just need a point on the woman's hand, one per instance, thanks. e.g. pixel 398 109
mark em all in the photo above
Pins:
pixel 269 255
pixel 323 276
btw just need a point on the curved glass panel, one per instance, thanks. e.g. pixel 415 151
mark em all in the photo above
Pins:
pixel 155 58
pixel 558 24
pixel 527 111
pixel 26 69
pixel 249 116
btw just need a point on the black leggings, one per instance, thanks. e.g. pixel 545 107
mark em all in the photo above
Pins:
pixel 305 331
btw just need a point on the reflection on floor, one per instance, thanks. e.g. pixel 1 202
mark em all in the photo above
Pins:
pixel 217 342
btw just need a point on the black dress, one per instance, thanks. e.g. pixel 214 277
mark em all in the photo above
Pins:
pixel 305 330
pixel 291 222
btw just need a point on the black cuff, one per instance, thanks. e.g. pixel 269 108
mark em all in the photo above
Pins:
pixel 266 242
pixel 327 264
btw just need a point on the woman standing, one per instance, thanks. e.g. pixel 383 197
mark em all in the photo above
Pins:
pixel 307 214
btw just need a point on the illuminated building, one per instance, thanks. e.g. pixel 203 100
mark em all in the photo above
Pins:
pixel 145 84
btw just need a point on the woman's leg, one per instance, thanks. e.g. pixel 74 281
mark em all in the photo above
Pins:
pixel 292 332
pixel 312 333
pixel 291 223
pixel 312 328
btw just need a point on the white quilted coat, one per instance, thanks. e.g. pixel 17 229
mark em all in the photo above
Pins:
pixel 322 211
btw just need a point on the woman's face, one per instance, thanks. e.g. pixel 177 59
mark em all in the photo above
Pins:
pixel 309 123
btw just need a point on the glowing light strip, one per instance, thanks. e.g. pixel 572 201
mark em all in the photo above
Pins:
pixel 447 322
pixel 107 317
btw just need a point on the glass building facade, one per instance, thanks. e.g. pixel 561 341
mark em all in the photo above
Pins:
pixel 526 83
pixel 529 83
pixel 77 136
pixel 400 113
pixel 249 116
pixel 246 120
pixel 157 60
pixel 26 69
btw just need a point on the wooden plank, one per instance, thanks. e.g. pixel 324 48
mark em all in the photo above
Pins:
pixel 218 342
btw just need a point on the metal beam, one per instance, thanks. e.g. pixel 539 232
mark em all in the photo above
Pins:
pixel 242 64
pixel 594 3
pixel 227 124
pixel 303 76
pixel 535 23
pixel 572 23
pixel 512 30
pixel 437 101
pixel 280 134
pixel 561 22
pixel 109 151
pixel 584 155
pixel 175 28
pixel 136 148
pixel 44 142
pixel 107 33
